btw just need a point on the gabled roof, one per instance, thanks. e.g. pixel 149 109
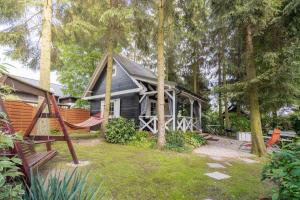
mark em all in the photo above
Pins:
pixel 55 88
pixel 133 68
pixel 22 86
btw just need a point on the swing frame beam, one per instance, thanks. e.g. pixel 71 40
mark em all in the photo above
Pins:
pixel 48 100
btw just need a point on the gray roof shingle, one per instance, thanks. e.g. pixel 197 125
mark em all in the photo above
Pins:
pixel 55 88
pixel 133 68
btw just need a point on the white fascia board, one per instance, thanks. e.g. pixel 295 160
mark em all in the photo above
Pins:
pixel 167 83
pixel 95 75
pixel 113 94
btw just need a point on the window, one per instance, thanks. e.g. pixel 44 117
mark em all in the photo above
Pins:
pixel 152 108
pixel 114 108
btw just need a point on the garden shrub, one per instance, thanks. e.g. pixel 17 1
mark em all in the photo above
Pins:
pixel 239 123
pixel 142 139
pixel 11 186
pixel 194 139
pixel 64 186
pixel 175 141
pixel 284 171
pixel 295 122
pixel 120 130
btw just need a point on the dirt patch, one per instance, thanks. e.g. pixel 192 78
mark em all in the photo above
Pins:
pixel 90 142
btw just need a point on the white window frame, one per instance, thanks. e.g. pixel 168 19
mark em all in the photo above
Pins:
pixel 117 107
pixel 114 70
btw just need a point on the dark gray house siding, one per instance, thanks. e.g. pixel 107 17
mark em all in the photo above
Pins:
pixel 121 81
pixel 129 106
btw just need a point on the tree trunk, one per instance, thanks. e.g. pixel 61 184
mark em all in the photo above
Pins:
pixel 108 83
pixel 195 77
pixel 161 76
pixel 238 75
pixel 219 93
pixel 45 59
pixel 226 113
pixel 170 64
pixel 258 145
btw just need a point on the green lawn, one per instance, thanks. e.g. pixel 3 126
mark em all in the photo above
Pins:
pixel 137 173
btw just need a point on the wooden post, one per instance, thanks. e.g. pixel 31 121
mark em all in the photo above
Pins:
pixel 200 115
pixel 64 129
pixel 191 114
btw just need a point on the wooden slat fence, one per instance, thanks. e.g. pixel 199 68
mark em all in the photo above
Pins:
pixel 21 114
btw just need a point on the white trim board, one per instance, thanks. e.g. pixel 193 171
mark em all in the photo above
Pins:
pixel 95 75
pixel 113 94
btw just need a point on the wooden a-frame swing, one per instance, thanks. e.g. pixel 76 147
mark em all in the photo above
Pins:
pixel 25 149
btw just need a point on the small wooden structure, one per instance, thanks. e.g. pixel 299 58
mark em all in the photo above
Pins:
pixel 25 149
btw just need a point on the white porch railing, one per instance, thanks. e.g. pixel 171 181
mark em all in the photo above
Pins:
pixel 150 123
pixel 184 123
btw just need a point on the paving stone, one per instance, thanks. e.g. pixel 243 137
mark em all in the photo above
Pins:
pixel 215 165
pixel 228 163
pixel 247 160
pixel 217 175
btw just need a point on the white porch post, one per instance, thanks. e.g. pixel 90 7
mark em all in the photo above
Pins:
pixel 174 110
pixel 200 115
pixel 191 114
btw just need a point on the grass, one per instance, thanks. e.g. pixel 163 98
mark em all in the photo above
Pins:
pixel 130 172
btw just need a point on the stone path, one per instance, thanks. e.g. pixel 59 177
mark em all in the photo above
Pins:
pixel 217 175
pixel 223 150
pixel 215 165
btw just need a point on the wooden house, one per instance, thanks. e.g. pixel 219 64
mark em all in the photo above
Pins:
pixel 134 96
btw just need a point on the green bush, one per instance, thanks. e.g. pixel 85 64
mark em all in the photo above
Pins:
pixel 11 186
pixel 142 139
pixel 63 186
pixel 239 123
pixel 295 121
pixel 284 171
pixel 194 139
pixel 175 141
pixel 120 130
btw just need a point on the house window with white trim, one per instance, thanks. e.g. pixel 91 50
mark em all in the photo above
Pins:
pixel 114 108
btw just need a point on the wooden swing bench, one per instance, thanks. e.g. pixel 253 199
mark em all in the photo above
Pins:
pixel 31 159
pixel 25 149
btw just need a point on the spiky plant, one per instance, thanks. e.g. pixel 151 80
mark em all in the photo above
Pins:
pixel 71 186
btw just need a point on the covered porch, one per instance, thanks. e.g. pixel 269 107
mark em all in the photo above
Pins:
pixel 182 109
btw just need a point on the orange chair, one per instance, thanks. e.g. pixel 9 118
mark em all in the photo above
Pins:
pixel 274 138
pixel 270 143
